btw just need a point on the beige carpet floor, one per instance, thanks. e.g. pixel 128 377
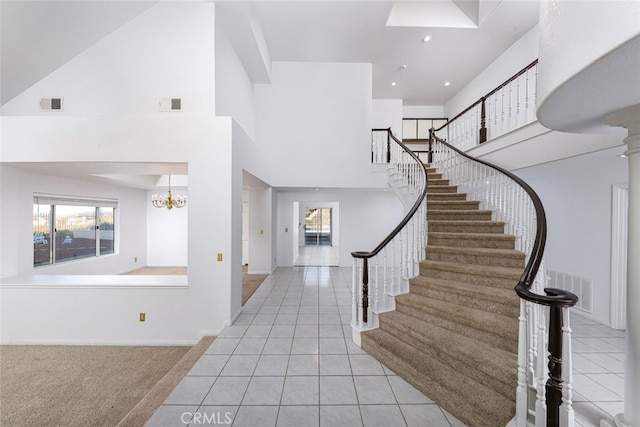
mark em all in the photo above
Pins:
pixel 250 283
pixel 96 385
pixel 78 385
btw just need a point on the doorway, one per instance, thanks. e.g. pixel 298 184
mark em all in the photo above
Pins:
pixel 318 227
pixel 317 240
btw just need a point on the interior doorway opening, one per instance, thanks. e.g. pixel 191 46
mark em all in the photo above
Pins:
pixel 317 239
pixel 318 227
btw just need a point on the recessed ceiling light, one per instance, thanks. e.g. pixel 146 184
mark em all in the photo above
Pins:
pixel 622 155
pixel 447 83
pixel 403 67
pixel 393 83
pixel 316 189
pixel 426 39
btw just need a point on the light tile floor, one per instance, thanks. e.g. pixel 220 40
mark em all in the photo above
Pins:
pixel 598 371
pixel 318 256
pixel 289 361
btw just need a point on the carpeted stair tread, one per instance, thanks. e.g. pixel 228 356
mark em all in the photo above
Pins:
pixel 459 215
pixel 448 205
pixel 464 226
pixel 489 365
pixel 489 298
pixel 468 400
pixel 445 196
pixel 437 181
pixel 433 188
pixel 497 329
pixel 482 240
pixel 504 277
pixel 479 256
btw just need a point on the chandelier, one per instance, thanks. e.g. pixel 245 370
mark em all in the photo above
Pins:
pixel 168 201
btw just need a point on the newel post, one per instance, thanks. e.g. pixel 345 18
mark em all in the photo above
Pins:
pixel 483 121
pixel 554 384
pixel 389 145
pixel 365 288
pixel 430 153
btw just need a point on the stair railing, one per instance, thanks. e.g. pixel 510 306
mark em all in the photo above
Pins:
pixel 507 107
pixel 385 271
pixel 516 203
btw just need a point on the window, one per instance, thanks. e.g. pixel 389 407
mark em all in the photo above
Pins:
pixel 66 229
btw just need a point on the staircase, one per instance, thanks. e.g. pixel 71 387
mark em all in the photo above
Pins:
pixel 454 336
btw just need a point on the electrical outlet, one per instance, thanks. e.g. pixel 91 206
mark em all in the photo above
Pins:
pixel 286 229
pixel 135 259
pixel 220 256
pixel 143 317
pixel 261 231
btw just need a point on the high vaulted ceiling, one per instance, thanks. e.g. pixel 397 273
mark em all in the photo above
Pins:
pixel 37 37
pixel 466 36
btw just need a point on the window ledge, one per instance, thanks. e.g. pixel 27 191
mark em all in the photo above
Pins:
pixel 62 281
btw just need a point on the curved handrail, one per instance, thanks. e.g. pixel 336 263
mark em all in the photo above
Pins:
pixel 482 99
pixel 408 216
pixel 555 297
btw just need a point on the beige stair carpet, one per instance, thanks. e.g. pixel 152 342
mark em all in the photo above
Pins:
pixel 454 336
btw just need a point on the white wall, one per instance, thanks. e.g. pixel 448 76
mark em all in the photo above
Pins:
pixel 576 194
pixel 366 218
pixel 317 114
pixel 387 113
pixel 516 57
pixel 166 51
pixel 423 111
pixel 234 89
pixel 16 258
pixel 167 232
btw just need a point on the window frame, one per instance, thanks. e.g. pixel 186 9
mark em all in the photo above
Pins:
pixel 53 201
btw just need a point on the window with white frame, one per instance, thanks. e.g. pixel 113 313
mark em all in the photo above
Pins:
pixel 68 228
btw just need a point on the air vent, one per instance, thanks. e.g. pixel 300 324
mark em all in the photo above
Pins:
pixel 170 104
pixel 50 104
pixel 582 287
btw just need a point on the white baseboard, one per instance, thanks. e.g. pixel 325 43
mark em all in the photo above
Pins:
pixel 210 333
pixel 234 317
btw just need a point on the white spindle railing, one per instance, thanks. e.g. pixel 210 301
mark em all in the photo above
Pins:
pixel 381 274
pixel 508 107
pixel 514 204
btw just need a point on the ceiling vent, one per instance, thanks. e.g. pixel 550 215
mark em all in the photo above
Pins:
pixel 170 104
pixel 50 104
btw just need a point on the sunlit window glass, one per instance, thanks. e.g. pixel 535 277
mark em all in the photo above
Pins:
pixel 41 234
pixel 75 233
pixel 106 229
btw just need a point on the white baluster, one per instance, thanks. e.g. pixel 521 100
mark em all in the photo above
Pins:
pixel 522 391
pixel 541 370
pixel 567 415
pixel 354 292
pixel 385 279
pixel 375 288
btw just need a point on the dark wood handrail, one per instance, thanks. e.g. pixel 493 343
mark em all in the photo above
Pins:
pixel 558 297
pixel 412 211
pixel 482 99
pixel 555 299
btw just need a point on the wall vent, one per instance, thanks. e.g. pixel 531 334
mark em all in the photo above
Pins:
pixel 50 104
pixel 580 286
pixel 170 104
